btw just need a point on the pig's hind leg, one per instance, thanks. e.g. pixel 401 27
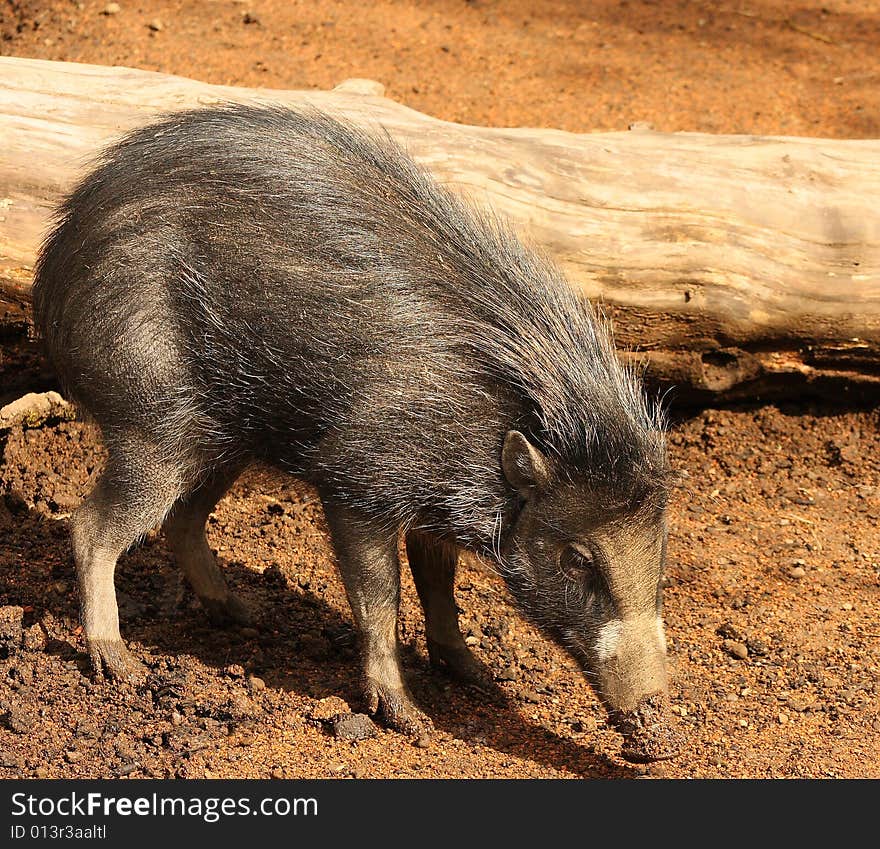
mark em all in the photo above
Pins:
pixel 433 565
pixel 185 531
pixel 136 489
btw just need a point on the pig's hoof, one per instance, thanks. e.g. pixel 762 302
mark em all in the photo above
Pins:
pixel 113 659
pixel 228 611
pixel 649 733
pixel 397 710
pixel 459 662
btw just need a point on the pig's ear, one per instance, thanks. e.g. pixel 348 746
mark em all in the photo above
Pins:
pixel 525 467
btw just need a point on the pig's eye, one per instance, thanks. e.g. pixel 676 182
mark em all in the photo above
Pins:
pixel 576 563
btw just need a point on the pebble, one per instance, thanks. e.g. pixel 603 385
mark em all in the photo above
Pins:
pixel 757 646
pixel 256 684
pixel 783 718
pixel 736 649
pixel 530 696
pixel 353 726
pixel 10 628
pixel 798 704
pixel 585 725
pixel 510 673
pixel 278 772
pixel 34 638
pixel 72 756
pixel 423 742
pixel 797 572
pixel 18 721
pixel 41 772
pixel 111 9
pixel 156 25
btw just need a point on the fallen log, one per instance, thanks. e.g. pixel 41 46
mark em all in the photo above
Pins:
pixel 733 266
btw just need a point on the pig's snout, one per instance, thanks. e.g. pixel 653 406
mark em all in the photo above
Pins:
pixel 631 673
pixel 649 732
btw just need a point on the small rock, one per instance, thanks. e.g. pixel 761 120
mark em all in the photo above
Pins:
pixel 783 718
pixel 797 572
pixel 736 649
pixel 72 756
pixel 472 640
pixel 16 502
pixel 249 18
pixel 256 684
pixel 757 646
pixel 10 629
pixel 587 725
pixel 176 718
pixel 34 638
pixel 127 769
pixel 657 770
pixel 353 726
pixel 156 25
pixel 530 696
pixel 86 730
pixel 423 742
pixel 278 773
pixel 729 630
pixel 17 721
pixel 510 673
pixel 111 9
pixel 41 772
pixel 799 704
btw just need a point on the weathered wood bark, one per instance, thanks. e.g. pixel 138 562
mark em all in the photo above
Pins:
pixel 736 265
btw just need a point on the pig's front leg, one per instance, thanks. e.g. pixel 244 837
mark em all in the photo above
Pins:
pixel 370 570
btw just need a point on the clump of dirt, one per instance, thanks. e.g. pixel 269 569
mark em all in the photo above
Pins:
pixel 649 732
pixel 773 546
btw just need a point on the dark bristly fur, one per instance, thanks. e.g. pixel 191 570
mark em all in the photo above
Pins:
pixel 250 283
pixel 249 208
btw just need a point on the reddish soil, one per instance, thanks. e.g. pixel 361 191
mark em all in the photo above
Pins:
pixel 774 560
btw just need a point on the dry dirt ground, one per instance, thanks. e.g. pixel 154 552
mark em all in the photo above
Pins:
pixel 774 560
